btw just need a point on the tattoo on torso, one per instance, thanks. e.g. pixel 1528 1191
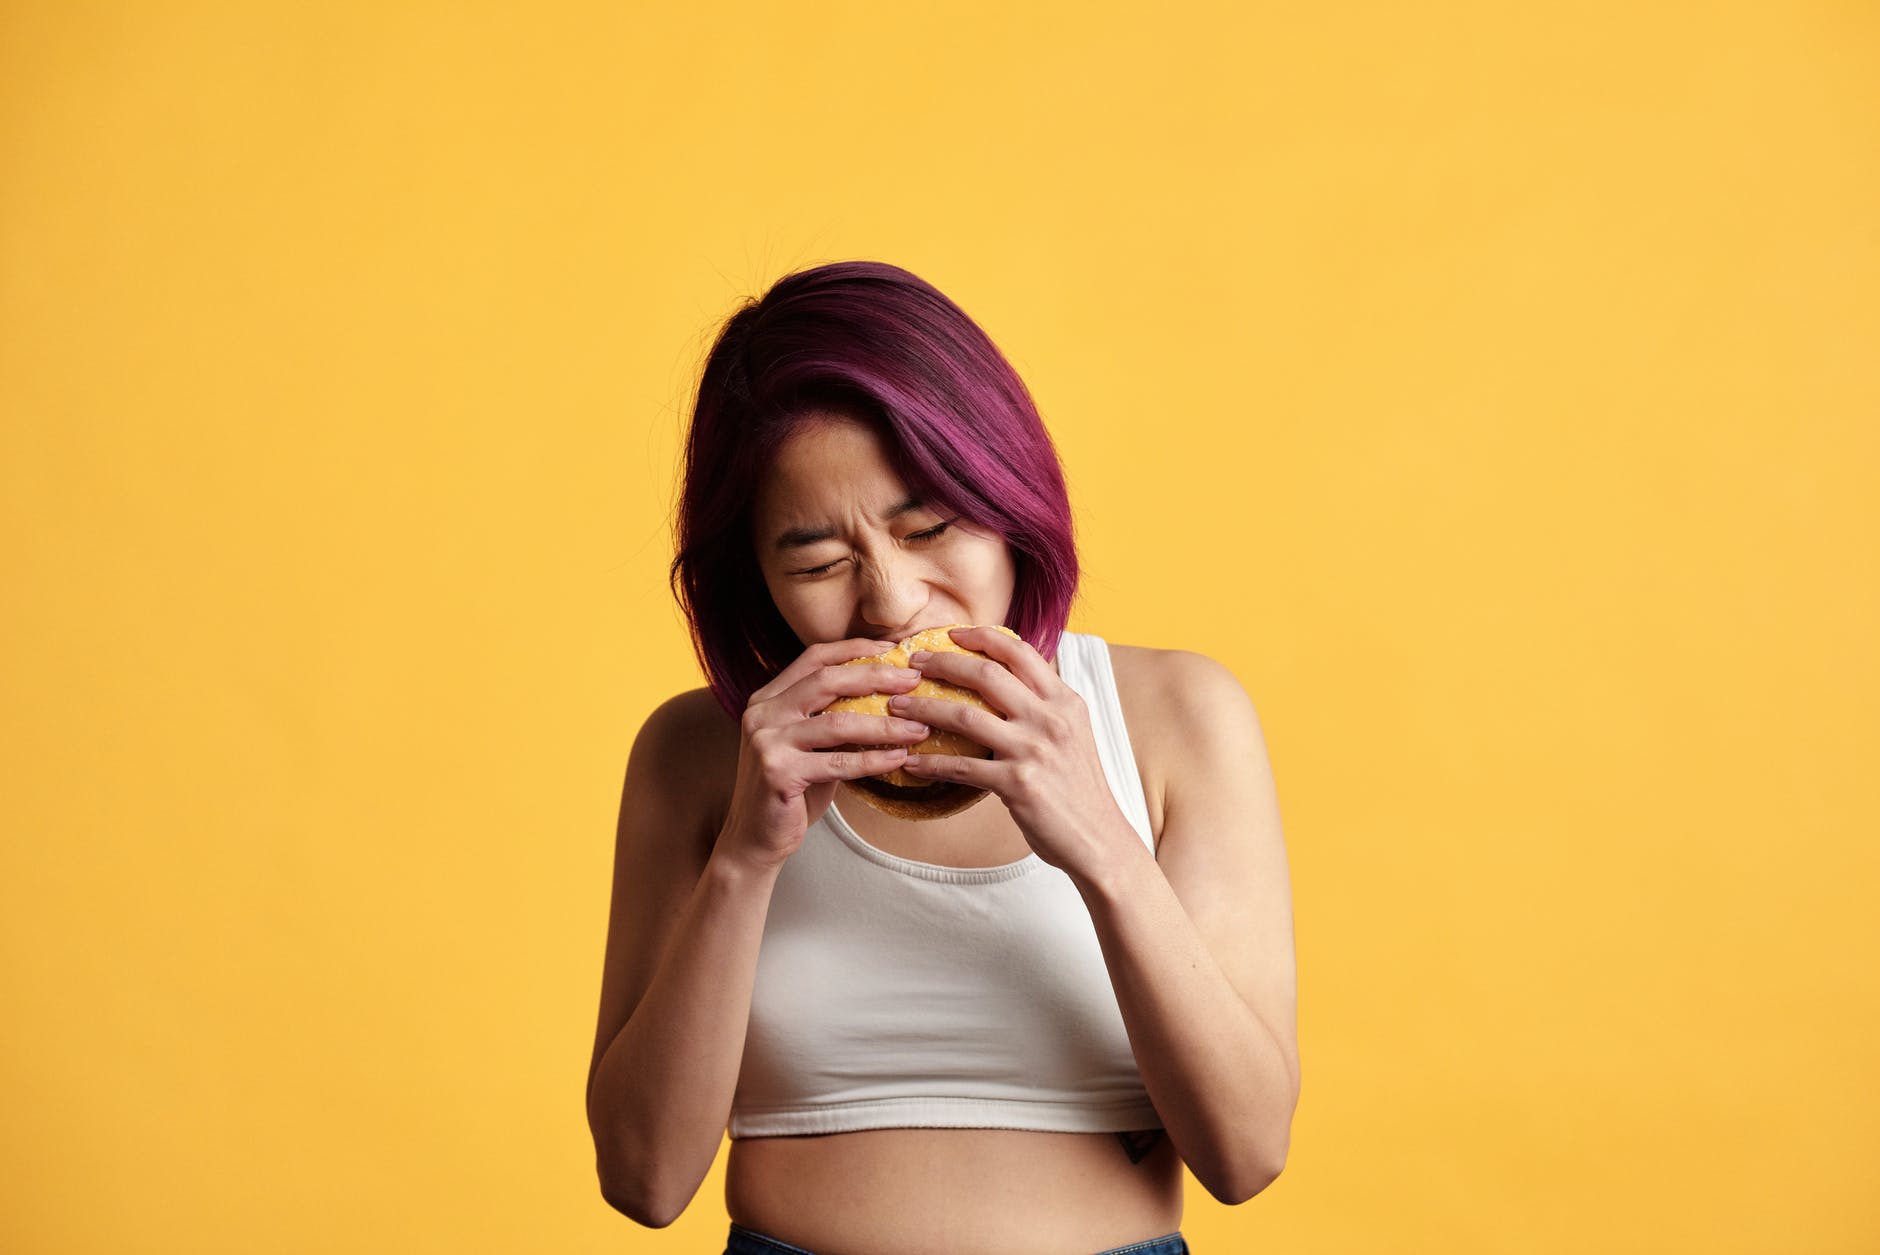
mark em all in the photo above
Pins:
pixel 1138 1144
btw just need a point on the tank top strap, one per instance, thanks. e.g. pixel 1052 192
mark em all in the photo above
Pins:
pixel 1084 664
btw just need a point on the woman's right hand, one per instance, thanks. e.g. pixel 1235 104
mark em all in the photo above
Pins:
pixel 788 756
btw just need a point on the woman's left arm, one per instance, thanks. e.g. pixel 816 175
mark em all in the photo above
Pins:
pixel 1197 937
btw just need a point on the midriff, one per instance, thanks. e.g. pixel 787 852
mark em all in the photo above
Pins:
pixel 941 1191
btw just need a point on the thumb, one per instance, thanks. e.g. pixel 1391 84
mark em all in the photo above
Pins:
pixel 817 797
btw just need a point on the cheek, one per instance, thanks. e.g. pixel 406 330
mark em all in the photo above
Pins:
pixel 816 610
pixel 987 561
pixel 786 595
pixel 783 595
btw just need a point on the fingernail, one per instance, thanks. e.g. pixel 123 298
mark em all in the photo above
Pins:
pixel 922 656
pixel 906 673
pixel 898 702
pixel 913 725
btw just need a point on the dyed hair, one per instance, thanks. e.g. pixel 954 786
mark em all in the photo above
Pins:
pixel 872 342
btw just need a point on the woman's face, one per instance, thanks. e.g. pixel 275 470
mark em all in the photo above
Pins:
pixel 845 554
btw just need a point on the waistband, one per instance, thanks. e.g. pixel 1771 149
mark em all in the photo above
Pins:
pixel 742 1241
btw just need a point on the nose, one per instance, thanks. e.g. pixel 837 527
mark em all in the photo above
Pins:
pixel 893 596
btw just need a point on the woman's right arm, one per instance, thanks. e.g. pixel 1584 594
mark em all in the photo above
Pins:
pixel 691 892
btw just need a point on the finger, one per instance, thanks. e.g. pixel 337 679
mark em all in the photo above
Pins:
pixel 815 691
pixel 851 764
pixel 1001 689
pixel 848 729
pixel 981 773
pixel 1015 652
pixel 984 727
pixel 820 655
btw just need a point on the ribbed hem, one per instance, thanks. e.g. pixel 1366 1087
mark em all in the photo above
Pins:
pixel 1028 1115
pixel 928 871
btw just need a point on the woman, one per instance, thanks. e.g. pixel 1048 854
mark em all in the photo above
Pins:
pixel 1004 1030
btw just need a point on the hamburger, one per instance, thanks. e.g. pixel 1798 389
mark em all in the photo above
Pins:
pixel 900 793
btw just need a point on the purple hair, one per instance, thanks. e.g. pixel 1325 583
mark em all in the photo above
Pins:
pixel 874 342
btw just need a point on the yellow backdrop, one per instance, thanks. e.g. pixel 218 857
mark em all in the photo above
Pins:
pixel 1492 386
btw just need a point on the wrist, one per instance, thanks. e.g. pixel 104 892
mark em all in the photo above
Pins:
pixel 1115 875
pixel 733 870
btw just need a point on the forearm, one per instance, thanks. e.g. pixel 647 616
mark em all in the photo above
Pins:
pixel 1214 1070
pixel 663 1090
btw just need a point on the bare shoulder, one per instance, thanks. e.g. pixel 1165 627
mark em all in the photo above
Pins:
pixel 1166 689
pixel 695 715
pixel 1170 697
pixel 695 746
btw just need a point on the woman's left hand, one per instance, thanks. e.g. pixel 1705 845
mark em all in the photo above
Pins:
pixel 1045 765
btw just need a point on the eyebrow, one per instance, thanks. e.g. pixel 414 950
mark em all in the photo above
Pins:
pixel 803 537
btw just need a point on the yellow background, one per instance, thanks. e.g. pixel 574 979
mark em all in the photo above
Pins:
pixel 1492 386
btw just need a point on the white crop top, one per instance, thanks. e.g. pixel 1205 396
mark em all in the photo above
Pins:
pixel 892 993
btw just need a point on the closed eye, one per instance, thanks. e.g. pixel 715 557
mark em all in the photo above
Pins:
pixel 931 534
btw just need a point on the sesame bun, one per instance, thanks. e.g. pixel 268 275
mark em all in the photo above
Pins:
pixel 900 793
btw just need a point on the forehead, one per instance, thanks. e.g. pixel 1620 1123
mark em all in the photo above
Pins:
pixel 829 465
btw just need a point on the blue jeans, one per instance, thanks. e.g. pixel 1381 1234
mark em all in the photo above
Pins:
pixel 750 1242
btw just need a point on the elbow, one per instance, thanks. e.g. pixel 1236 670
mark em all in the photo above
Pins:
pixel 1238 1178
pixel 649 1185
pixel 1238 1187
pixel 1252 1166
pixel 634 1188
pixel 641 1205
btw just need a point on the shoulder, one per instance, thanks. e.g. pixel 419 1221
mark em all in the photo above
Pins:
pixel 690 747
pixel 686 722
pixel 1180 698
pixel 1176 702
pixel 696 712
pixel 1178 689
